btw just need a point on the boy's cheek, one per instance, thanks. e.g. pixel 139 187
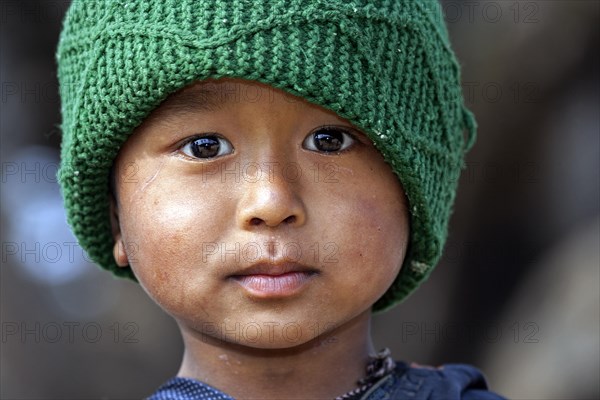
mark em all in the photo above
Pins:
pixel 370 240
pixel 369 225
pixel 166 223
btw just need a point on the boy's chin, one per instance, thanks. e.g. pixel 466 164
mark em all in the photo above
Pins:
pixel 265 334
pixel 277 341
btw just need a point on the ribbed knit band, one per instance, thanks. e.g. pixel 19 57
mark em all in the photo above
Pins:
pixel 386 66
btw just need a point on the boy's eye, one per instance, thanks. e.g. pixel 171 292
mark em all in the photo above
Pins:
pixel 328 139
pixel 208 146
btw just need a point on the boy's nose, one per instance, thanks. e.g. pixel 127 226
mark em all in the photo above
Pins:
pixel 269 202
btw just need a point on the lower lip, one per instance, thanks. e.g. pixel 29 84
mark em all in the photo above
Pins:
pixel 274 285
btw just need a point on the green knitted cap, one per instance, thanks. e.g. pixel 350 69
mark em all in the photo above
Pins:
pixel 386 66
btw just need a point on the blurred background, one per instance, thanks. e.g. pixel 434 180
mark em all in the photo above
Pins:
pixel 517 293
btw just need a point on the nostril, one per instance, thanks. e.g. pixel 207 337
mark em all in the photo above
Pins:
pixel 259 221
pixel 255 221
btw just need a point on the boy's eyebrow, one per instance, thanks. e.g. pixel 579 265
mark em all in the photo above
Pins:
pixel 190 101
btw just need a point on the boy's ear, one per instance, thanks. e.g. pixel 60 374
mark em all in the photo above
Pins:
pixel 119 247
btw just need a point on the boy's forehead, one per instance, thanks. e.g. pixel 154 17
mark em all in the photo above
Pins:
pixel 206 96
pixel 212 95
pixel 200 96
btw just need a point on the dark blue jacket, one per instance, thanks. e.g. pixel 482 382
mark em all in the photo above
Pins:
pixel 449 382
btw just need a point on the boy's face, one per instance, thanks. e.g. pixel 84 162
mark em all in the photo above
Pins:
pixel 257 218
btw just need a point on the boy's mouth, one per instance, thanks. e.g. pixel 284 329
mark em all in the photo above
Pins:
pixel 271 280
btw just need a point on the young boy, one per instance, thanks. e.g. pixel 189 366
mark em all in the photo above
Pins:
pixel 271 173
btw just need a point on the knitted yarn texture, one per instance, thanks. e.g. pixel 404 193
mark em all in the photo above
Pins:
pixel 386 66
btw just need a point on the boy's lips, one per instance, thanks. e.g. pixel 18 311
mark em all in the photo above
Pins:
pixel 270 280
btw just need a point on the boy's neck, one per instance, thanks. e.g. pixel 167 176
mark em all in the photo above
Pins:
pixel 324 368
